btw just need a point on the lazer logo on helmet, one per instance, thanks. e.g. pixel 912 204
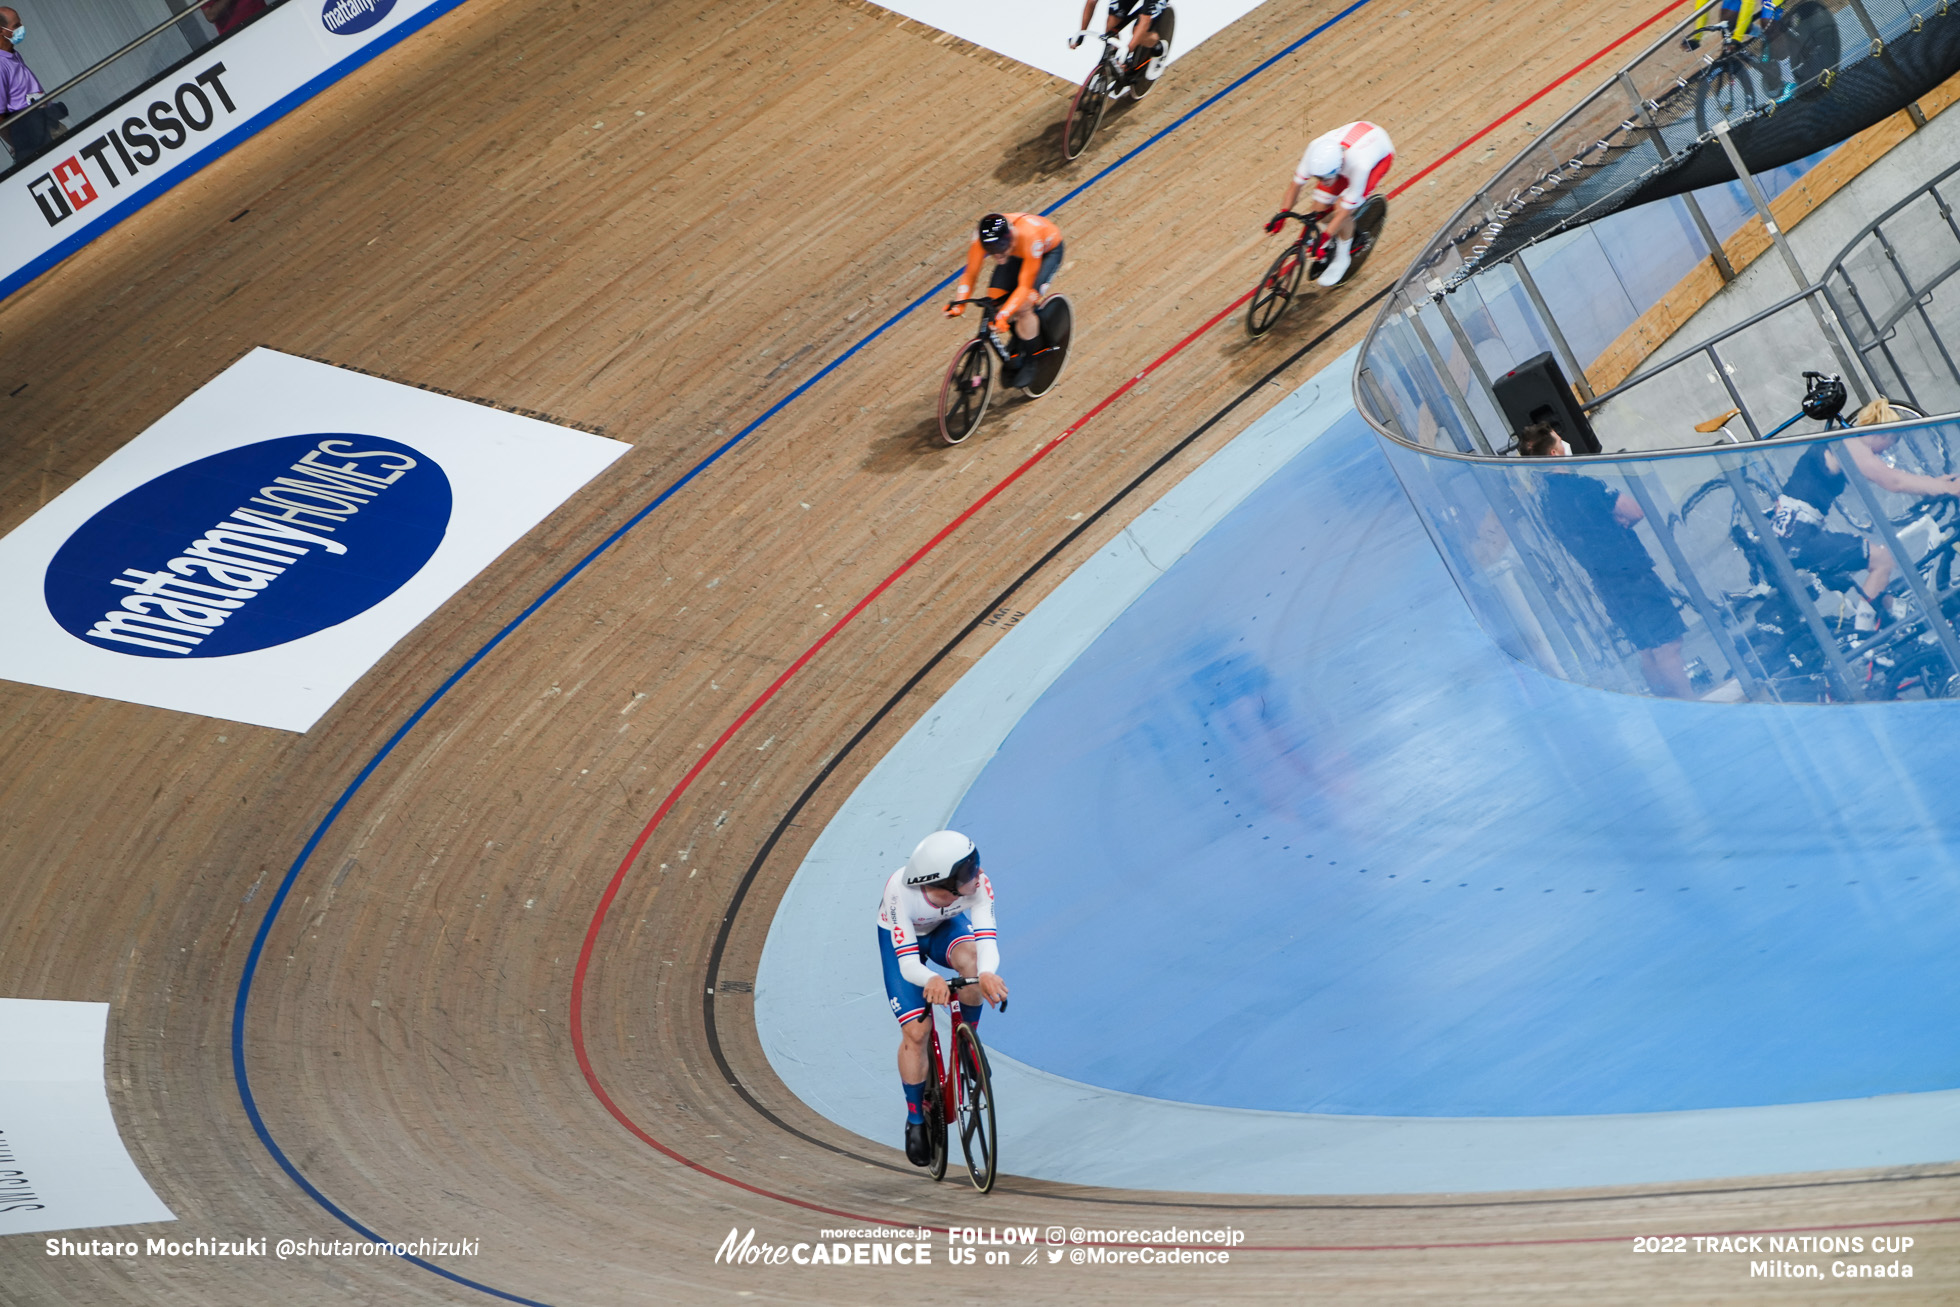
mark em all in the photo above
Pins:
pixel 346 17
pixel 253 547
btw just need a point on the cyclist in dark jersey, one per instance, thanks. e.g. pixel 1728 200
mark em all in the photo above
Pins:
pixel 1813 488
pixel 1144 42
pixel 1595 524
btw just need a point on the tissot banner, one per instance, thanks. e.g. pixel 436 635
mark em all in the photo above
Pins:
pixel 104 170
pixel 252 554
pixel 62 1163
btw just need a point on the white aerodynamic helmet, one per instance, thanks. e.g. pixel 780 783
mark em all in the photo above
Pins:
pixel 1323 156
pixel 944 857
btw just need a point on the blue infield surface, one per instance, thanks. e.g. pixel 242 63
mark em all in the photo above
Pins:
pixel 1292 834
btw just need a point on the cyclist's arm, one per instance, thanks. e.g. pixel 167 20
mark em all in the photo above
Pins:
pixel 906 945
pixel 1088 12
pixel 1886 477
pixel 986 949
pixel 975 256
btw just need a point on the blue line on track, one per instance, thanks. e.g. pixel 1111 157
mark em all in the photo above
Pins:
pixel 326 823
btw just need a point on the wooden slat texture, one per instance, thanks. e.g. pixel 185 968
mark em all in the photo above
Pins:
pixel 656 219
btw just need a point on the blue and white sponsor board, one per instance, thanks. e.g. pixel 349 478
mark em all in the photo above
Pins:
pixel 62 1162
pixel 252 554
pixel 108 168
pixel 1036 32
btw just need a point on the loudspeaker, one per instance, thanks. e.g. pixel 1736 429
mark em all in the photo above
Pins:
pixel 1536 391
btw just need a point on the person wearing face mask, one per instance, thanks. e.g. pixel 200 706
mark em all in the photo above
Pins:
pixel 30 133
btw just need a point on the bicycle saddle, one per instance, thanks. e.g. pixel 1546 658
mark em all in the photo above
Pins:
pixel 1716 424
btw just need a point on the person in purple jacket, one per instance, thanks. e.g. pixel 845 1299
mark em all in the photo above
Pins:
pixel 30 133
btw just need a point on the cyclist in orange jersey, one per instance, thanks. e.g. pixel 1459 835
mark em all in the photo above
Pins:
pixel 1027 253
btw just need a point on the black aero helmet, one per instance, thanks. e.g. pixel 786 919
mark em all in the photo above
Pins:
pixel 996 233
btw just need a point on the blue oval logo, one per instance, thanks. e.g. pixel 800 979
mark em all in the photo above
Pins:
pixel 346 17
pixel 254 547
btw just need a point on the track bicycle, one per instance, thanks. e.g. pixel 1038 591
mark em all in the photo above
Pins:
pixel 969 382
pixel 1109 80
pixel 1747 77
pixel 1900 656
pixel 960 1091
pixel 1307 257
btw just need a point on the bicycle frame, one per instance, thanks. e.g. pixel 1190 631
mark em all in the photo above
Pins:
pixel 985 331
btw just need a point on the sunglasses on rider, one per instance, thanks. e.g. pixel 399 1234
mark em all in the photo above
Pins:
pixel 967 869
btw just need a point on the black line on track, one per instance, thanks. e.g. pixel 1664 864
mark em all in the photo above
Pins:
pixel 740 898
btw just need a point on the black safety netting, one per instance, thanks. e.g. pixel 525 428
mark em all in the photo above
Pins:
pixel 1820 73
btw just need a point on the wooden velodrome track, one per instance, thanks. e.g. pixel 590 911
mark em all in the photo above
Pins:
pixel 657 220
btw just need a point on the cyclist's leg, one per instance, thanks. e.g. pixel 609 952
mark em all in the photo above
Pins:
pixel 1027 322
pixel 914 1016
pixel 952 946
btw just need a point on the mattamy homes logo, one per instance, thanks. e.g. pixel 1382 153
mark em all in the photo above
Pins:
pixel 252 547
pixel 347 17
pixel 262 545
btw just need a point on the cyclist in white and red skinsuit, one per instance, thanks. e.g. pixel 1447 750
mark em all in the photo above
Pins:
pixel 939 904
pixel 1346 165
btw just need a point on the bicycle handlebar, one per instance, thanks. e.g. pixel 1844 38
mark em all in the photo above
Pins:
pixel 961 982
pixel 984 299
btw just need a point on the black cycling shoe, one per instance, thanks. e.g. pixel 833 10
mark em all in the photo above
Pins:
pixel 1019 373
pixel 918 1144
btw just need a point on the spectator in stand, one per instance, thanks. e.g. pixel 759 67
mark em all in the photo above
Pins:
pixel 30 133
pixel 230 15
pixel 1595 524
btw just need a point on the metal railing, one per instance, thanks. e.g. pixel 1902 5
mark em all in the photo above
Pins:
pixel 110 81
pixel 1902 316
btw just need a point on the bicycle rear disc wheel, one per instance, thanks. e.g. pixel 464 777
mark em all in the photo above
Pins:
pixel 1809 40
pixel 963 395
pixel 1085 112
pixel 978 1139
pixel 1057 330
pixel 1275 291
pixel 1161 29
pixel 1368 221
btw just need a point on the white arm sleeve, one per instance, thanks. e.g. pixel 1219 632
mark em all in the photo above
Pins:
pixel 986 952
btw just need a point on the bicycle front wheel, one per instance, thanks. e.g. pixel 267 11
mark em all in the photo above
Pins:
pixel 977 1137
pixel 1275 291
pixel 1085 112
pixel 963 395
pixel 1727 93
pixel 935 1114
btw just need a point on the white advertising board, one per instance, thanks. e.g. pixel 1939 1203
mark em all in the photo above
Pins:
pixel 254 552
pixel 62 1163
pixel 1036 32
pixel 105 170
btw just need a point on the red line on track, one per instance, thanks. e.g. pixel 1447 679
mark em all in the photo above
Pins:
pixel 686 782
